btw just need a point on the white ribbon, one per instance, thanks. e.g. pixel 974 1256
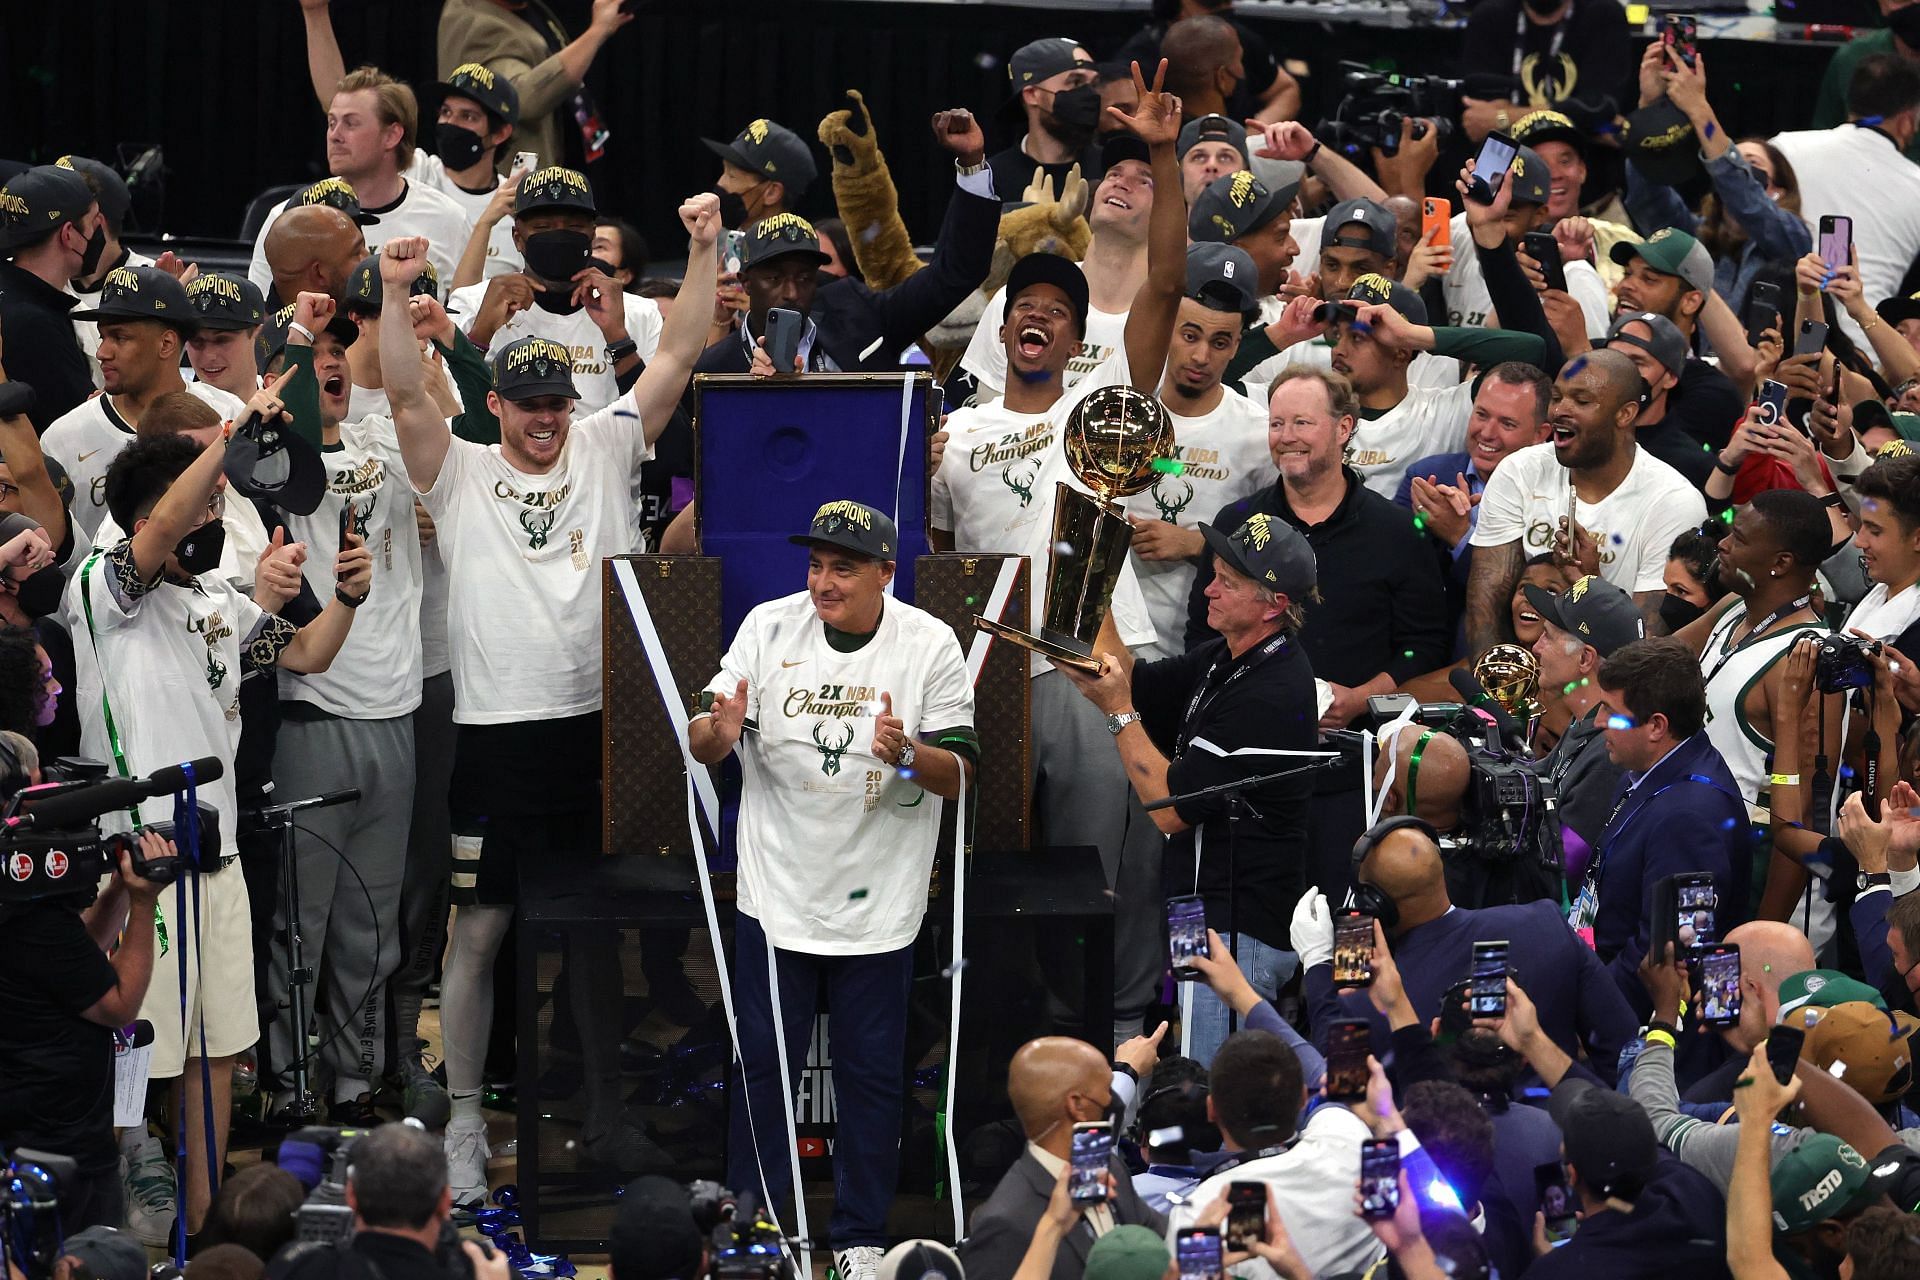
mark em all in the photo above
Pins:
pixel 900 457
pixel 701 793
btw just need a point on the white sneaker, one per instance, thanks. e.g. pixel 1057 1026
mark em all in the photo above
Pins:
pixel 861 1262
pixel 466 1144
pixel 150 1200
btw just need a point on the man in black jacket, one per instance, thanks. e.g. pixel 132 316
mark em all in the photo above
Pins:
pixel 51 231
pixel 849 326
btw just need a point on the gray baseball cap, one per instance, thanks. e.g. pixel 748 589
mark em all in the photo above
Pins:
pixel 1040 60
pixel 1221 277
pixel 1592 610
pixel 1666 343
pixel 1213 128
pixel 1379 230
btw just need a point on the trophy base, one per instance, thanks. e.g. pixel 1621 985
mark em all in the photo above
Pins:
pixel 1045 648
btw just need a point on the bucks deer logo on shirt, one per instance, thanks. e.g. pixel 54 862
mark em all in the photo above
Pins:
pixel 1019 477
pixel 216 670
pixel 538 525
pixel 1172 496
pixel 830 752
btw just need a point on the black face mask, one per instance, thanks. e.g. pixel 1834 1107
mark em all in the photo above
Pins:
pixel 457 148
pixel 40 593
pixel 733 209
pixel 555 256
pixel 200 550
pixel 1077 110
pixel 1543 6
pixel 1677 613
pixel 90 256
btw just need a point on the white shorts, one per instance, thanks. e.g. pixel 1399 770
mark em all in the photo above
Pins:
pixel 225 952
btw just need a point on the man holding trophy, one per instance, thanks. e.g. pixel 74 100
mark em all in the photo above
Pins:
pixel 997 490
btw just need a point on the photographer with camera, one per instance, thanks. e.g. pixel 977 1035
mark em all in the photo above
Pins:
pixel 57 1024
pixel 402 1211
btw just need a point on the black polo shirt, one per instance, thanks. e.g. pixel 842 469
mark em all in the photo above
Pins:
pixel 41 347
pixel 56 1067
pixel 1383 602
pixel 1260 699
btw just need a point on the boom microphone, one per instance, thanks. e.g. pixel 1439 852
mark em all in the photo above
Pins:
pixel 1475 695
pixel 70 806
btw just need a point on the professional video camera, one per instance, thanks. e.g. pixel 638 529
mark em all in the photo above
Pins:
pixel 1844 662
pixel 326 1152
pixel 746 1246
pixel 1374 104
pixel 51 846
pixel 30 1231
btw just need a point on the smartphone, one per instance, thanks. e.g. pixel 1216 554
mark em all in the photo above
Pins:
pixel 1092 1149
pixel 1348 1043
pixel 729 243
pixel 1836 240
pixel 1187 934
pixel 526 161
pixel 1680 32
pixel 1763 310
pixel 1487 981
pixel 1813 338
pixel 1246 1215
pixel 1379 1178
pixel 1716 975
pixel 1694 903
pixel 1490 167
pixel 1436 217
pixel 346 523
pixel 1783 1050
pixel 1772 399
pixel 1556 1201
pixel 1197 1252
pixel 1352 949
pixel 783 337
pixel 1545 250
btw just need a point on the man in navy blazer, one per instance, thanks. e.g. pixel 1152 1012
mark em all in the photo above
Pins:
pixel 1432 943
pixel 1677 808
pixel 848 325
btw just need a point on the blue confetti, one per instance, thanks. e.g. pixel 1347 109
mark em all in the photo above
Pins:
pixel 1575 366
pixel 1618 540
pixel 1619 722
pixel 1727 825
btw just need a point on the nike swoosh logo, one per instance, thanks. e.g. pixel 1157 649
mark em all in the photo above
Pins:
pixel 88 454
pixel 784 663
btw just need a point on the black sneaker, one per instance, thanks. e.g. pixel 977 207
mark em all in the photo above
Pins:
pixel 357 1113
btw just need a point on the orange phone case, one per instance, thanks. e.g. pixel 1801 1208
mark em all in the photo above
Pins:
pixel 1436 215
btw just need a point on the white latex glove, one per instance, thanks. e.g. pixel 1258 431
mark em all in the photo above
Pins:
pixel 1312 931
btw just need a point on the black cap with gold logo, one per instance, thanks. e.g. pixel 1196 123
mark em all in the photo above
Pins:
pixel 554 187
pixel 36 203
pixel 364 287
pixel 773 151
pixel 226 300
pixel 477 82
pixel 143 293
pixel 1268 550
pixel 334 193
pixel 530 367
pixel 855 527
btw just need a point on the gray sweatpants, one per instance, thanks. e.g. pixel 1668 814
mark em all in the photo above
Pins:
pixel 351 932
pixel 1081 796
pixel 424 892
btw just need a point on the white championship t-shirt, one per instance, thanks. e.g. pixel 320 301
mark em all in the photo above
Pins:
pixel 1884 618
pixel 502 257
pixel 377 672
pixel 836 848
pixel 421 210
pixel 523 559
pixel 994 492
pixel 593 375
pixel 1635 525
pixel 1429 420
pixel 1470 305
pixel 171 657
pixel 1223 457
pixel 88 437
pixel 986 354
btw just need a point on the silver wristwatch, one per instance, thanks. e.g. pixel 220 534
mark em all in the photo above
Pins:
pixel 1116 723
pixel 905 759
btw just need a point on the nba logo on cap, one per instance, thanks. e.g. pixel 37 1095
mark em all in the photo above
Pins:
pixel 20 866
pixel 56 865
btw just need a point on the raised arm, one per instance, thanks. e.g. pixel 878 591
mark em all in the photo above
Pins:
pixel 684 336
pixel 1155 120
pixel 324 64
pixel 183 507
pixel 1291 140
pixel 424 437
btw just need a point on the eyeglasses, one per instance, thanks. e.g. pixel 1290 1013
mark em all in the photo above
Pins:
pixel 8 490
pixel 216 506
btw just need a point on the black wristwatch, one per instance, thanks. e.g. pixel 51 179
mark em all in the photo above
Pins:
pixel 1873 880
pixel 352 602
pixel 618 351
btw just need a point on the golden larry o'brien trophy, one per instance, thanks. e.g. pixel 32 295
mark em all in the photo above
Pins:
pixel 1112 441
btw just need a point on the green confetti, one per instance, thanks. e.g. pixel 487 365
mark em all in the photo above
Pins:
pixel 1408 654
pixel 1706 448
pixel 1420 520
pixel 856 895
pixel 1169 466
pixel 971 601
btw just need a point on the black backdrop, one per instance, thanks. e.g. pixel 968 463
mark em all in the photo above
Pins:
pixel 222 85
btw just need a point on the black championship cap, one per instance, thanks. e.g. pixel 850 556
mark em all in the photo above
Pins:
pixel 34 204
pixel 1607 1137
pixel 1362 224
pixel 1661 144
pixel 855 527
pixel 654 1236
pixel 335 193
pixel 1116 147
pixel 1370 290
pixel 143 293
pixel 476 82
pixel 1592 610
pixel 1536 127
pixel 1666 343
pixel 109 188
pixel 1528 175
pixel 224 300
pixel 364 289
pixel 1222 277
pixel 773 151
pixel 1898 308
pixel 530 367
pixel 780 236
pixel 269 460
pixel 1213 128
pixel 1235 205
pixel 1051 268
pixel 1269 551
pixel 1044 59
pixel 554 187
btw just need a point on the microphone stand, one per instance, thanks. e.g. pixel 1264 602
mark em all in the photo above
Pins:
pixel 1238 806
pixel 279 817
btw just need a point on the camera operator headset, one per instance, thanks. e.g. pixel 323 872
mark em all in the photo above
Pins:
pixel 60 1016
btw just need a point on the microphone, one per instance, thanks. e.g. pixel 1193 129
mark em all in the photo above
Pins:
pixel 71 806
pixel 1475 695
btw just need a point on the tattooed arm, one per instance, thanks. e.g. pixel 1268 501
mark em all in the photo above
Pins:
pixel 1490 585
